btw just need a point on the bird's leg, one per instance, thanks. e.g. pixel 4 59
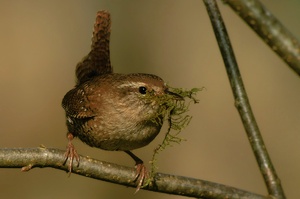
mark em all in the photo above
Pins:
pixel 141 171
pixel 71 153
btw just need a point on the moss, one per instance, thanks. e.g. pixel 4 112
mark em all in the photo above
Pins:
pixel 174 108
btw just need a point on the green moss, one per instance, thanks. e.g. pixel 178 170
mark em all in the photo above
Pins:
pixel 174 108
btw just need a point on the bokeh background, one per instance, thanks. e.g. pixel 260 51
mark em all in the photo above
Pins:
pixel 42 41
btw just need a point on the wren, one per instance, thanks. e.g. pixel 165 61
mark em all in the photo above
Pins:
pixel 111 111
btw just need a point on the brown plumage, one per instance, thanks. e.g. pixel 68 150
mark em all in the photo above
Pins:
pixel 97 62
pixel 115 111
pixel 110 111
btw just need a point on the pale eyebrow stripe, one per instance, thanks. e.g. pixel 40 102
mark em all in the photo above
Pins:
pixel 131 84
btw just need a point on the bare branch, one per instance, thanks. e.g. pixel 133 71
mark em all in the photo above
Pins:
pixel 177 185
pixel 242 103
pixel 265 24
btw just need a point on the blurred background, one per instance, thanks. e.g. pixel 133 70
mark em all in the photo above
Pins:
pixel 42 41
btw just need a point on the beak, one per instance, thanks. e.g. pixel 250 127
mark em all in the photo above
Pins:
pixel 174 95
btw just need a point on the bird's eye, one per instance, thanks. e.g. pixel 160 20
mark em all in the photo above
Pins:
pixel 143 90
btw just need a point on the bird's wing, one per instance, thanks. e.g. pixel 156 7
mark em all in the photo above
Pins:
pixel 78 103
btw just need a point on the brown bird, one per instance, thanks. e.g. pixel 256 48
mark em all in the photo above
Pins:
pixel 111 111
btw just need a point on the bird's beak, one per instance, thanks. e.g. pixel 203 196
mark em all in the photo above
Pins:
pixel 174 95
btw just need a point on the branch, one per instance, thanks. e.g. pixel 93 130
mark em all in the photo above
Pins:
pixel 164 183
pixel 242 103
pixel 263 22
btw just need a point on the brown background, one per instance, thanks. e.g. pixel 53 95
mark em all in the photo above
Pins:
pixel 42 41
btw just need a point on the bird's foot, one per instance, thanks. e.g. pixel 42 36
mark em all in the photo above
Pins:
pixel 141 171
pixel 71 153
pixel 141 175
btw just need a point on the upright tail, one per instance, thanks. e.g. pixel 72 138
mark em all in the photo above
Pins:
pixel 97 62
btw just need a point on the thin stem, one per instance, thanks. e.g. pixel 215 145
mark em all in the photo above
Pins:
pixel 265 24
pixel 165 183
pixel 242 103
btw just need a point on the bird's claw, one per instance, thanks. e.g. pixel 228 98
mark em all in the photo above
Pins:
pixel 71 153
pixel 141 175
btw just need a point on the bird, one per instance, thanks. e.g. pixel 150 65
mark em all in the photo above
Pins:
pixel 113 111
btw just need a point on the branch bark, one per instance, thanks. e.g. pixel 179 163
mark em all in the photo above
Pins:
pixel 269 28
pixel 242 102
pixel 28 158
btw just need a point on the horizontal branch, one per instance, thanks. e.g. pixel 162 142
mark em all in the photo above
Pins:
pixel 28 158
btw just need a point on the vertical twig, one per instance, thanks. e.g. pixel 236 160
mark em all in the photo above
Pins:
pixel 265 24
pixel 242 103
